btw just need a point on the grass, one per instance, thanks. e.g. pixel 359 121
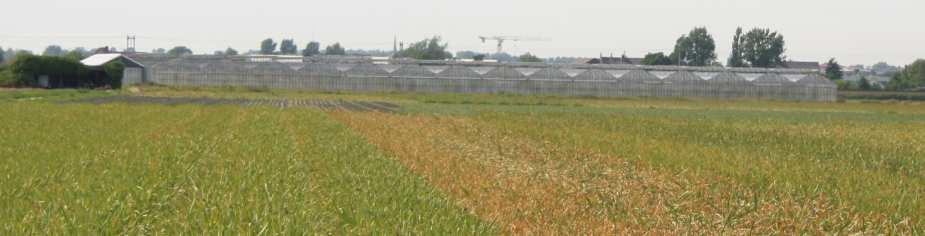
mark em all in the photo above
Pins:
pixel 462 164
pixel 120 169
pixel 50 95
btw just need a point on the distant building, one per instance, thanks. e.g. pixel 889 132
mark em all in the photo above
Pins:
pixel 854 68
pixel 856 75
pixel 616 61
pixel 133 71
pixel 804 65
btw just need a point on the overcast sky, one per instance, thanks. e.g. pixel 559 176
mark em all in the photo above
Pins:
pixel 853 31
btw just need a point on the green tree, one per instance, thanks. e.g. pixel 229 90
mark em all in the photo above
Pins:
pixel 114 70
pixel 54 50
pixel 179 51
pixel 876 86
pixel 843 84
pixel 26 68
pixel 479 57
pixel 231 52
pixel 697 48
pixel 736 58
pixel 466 54
pixel 335 49
pixel 427 49
pixel 912 76
pixel 76 55
pixel 2 59
pixel 311 49
pixel 267 47
pixel 288 47
pixel 656 59
pixel 762 48
pixel 833 70
pixel 83 52
pixel 864 84
pixel 527 57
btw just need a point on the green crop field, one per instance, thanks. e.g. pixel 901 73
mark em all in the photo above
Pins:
pixel 455 164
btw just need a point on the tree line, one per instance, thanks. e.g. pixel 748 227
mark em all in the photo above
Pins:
pixel 758 47
pixel 289 47
pixel 267 47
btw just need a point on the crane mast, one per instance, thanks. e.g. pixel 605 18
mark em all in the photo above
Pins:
pixel 501 39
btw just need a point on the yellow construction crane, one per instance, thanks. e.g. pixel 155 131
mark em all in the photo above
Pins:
pixel 501 39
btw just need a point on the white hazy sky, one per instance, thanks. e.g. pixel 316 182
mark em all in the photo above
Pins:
pixel 853 31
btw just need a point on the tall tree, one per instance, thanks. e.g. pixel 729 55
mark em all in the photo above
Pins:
pixel 335 49
pixel 179 51
pixel 311 49
pixel 527 57
pixel 231 52
pixel 54 50
pixel 656 59
pixel 736 58
pixel 763 48
pixel 2 58
pixel 267 47
pixel 427 49
pixel 833 70
pixel 288 47
pixel 697 48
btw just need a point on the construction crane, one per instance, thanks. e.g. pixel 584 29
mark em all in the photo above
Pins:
pixel 501 39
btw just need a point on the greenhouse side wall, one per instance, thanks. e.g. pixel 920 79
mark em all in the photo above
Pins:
pixel 516 78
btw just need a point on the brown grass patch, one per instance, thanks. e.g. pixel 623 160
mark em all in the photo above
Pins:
pixel 536 187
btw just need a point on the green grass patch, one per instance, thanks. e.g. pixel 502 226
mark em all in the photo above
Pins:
pixel 149 169
pixel 128 169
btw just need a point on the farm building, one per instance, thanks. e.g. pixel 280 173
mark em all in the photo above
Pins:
pixel 133 72
pixel 62 72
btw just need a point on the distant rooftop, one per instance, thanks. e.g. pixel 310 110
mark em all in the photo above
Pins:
pixel 616 61
pixel 813 65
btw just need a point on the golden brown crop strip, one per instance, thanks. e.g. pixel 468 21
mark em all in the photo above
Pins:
pixel 535 186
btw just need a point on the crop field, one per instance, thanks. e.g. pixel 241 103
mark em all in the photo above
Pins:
pixel 280 103
pixel 231 161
